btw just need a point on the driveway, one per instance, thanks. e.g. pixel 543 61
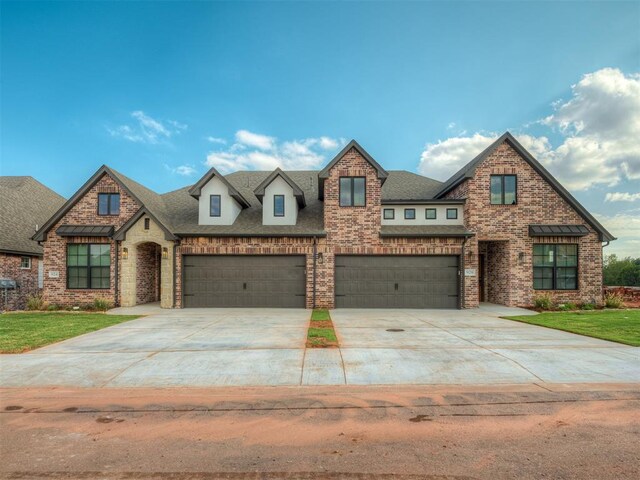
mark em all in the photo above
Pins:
pixel 216 347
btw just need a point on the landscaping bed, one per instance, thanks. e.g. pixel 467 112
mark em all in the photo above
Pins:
pixel 21 332
pixel 321 333
pixel 622 326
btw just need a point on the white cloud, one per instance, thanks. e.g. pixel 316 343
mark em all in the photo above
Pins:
pixel 622 197
pixel 184 170
pixel 147 129
pixel 254 151
pixel 256 140
pixel 626 227
pixel 600 126
pixel 221 141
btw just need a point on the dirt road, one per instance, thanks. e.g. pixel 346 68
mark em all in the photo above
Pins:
pixel 523 432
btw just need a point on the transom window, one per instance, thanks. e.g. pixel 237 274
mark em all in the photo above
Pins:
pixel 25 263
pixel 452 213
pixel 389 213
pixel 503 189
pixel 108 204
pixel 409 213
pixel 215 207
pixel 430 214
pixel 88 265
pixel 278 205
pixel 352 191
pixel 555 267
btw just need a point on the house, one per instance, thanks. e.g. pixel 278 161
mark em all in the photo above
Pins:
pixel 501 230
pixel 25 204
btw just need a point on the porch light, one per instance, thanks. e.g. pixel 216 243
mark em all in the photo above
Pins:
pixel 320 258
pixel 125 253
pixel 165 252
pixel 521 257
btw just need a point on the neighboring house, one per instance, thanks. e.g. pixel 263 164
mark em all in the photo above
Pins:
pixel 25 204
pixel 351 235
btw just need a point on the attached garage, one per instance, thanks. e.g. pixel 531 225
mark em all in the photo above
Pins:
pixel 273 281
pixel 374 281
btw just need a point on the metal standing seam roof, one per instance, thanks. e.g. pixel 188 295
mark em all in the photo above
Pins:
pixel 85 230
pixel 558 230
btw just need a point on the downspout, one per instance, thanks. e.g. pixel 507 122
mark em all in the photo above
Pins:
pixel 462 290
pixel 315 260
pixel 117 274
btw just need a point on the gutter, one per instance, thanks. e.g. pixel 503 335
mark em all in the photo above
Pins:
pixel 117 274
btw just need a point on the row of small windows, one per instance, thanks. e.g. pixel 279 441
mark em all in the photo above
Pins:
pixel 410 213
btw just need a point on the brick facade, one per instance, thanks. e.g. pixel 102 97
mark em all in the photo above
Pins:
pixel 26 278
pixel 84 212
pixel 502 232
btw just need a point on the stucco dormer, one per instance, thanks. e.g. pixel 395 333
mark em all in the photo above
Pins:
pixel 281 199
pixel 219 203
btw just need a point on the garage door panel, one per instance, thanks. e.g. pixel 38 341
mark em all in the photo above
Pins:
pixel 244 281
pixel 396 281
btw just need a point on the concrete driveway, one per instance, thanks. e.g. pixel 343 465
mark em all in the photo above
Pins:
pixel 215 347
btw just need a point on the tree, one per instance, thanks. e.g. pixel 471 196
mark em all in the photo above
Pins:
pixel 625 272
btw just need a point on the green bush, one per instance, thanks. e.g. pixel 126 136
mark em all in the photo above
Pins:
pixel 544 301
pixel 588 306
pixel 101 304
pixel 613 300
pixel 621 272
pixel 53 307
pixel 567 307
pixel 35 302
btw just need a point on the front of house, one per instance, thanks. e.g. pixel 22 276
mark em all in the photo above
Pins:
pixel 352 235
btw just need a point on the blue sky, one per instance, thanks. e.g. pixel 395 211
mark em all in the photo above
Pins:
pixel 160 91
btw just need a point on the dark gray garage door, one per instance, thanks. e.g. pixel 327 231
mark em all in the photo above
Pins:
pixel 397 281
pixel 244 281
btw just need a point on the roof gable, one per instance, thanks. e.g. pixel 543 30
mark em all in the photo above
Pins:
pixel 324 173
pixel 468 171
pixel 197 188
pixel 297 191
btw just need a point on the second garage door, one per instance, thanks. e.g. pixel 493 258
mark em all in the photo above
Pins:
pixel 396 281
pixel 244 281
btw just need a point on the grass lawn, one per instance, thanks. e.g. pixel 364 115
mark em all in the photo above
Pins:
pixel 622 326
pixel 20 332
pixel 321 333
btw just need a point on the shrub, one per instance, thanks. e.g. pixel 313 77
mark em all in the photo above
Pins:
pixel 588 306
pixel 102 304
pixel 544 301
pixel 35 302
pixel 613 300
pixel 54 307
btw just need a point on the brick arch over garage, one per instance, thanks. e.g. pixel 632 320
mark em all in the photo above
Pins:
pixel 146 265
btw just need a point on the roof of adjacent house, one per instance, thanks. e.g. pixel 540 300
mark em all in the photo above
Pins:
pixel 25 204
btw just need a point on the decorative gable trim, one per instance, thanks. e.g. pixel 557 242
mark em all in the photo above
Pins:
pixel 196 189
pixel 41 235
pixel 324 173
pixel 468 171
pixel 297 191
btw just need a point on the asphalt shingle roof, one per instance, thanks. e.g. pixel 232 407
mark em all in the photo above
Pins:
pixel 24 203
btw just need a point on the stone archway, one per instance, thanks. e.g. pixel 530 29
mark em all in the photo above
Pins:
pixel 146 265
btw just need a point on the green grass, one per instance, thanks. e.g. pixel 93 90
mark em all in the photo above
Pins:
pixel 327 333
pixel 320 314
pixel 20 332
pixel 622 326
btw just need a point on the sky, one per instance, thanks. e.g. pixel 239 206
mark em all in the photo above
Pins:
pixel 161 91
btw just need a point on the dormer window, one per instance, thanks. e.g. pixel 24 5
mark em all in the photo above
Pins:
pixel 352 191
pixel 409 213
pixel 278 205
pixel 215 206
pixel 108 204
pixel 503 189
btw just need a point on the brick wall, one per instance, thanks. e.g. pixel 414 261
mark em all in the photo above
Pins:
pixel 84 212
pixel 27 280
pixel 538 203
pixel 147 269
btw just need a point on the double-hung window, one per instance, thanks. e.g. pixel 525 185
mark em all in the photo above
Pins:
pixel 215 207
pixel 555 267
pixel 504 190
pixel 108 204
pixel 278 205
pixel 88 265
pixel 25 263
pixel 352 191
